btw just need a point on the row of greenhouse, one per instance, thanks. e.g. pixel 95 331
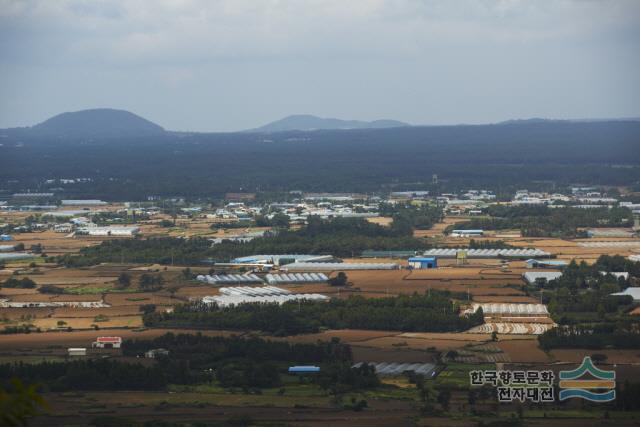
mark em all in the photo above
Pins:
pixel 297 278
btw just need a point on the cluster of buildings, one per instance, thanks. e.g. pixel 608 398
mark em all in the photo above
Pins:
pixel 581 197
pixel 112 343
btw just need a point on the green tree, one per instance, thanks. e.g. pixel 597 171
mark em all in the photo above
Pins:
pixel 340 279
pixel 19 402
pixel 124 280
pixel 444 398
pixel 280 220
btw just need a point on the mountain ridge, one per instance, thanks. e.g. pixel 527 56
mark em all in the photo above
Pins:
pixel 308 122
pixel 96 122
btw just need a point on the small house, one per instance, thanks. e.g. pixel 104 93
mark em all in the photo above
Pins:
pixel 467 233
pixel 156 352
pixel 107 342
pixel 81 351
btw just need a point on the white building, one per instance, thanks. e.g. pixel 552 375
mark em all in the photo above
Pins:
pixel 87 202
pixel 153 353
pixel 531 277
pixel 77 351
pixel 109 231
pixel 616 274
pixel 632 292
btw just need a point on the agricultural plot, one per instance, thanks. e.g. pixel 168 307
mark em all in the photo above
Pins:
pixel 523 350
pixel 56 243
pixel 391 369
pixel 485 353
pixel 472 280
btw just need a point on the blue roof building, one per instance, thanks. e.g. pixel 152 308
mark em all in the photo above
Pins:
pixel 423 262
pixel 304 369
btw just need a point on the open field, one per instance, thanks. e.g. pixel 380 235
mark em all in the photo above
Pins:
pixel 438 228
pixel 480 280
pixel 57 243
pixel 310 410
pixel 381 220
pixel 87 323
pixel 613 356
pixel 523 350
pixel 84 338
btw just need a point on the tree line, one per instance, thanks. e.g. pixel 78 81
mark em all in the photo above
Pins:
pixel 411 313
pixel 580 301
pixel 339 236
pixel 544 221
pixel 233 362
pixel 591 337
pixel 195 165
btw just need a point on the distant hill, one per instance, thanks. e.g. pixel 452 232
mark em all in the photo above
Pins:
pixel 536 120
pixel 545 155
pixel 306 122
pixel 99 122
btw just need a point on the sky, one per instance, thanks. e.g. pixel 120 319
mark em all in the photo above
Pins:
pixel 225 65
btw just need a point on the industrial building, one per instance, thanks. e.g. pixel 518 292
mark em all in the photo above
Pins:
pixel 532 278
pixel 423 263
pixel 486 253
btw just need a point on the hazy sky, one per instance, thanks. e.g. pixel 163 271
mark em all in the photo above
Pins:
pixel 217 65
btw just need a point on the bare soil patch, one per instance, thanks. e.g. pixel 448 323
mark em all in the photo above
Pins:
pixel 523 350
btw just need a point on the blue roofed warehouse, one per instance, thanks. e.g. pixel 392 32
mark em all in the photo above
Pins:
pixel 304 369
pixel 423 262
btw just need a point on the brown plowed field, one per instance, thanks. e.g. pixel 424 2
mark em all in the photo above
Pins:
pixel 523 350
